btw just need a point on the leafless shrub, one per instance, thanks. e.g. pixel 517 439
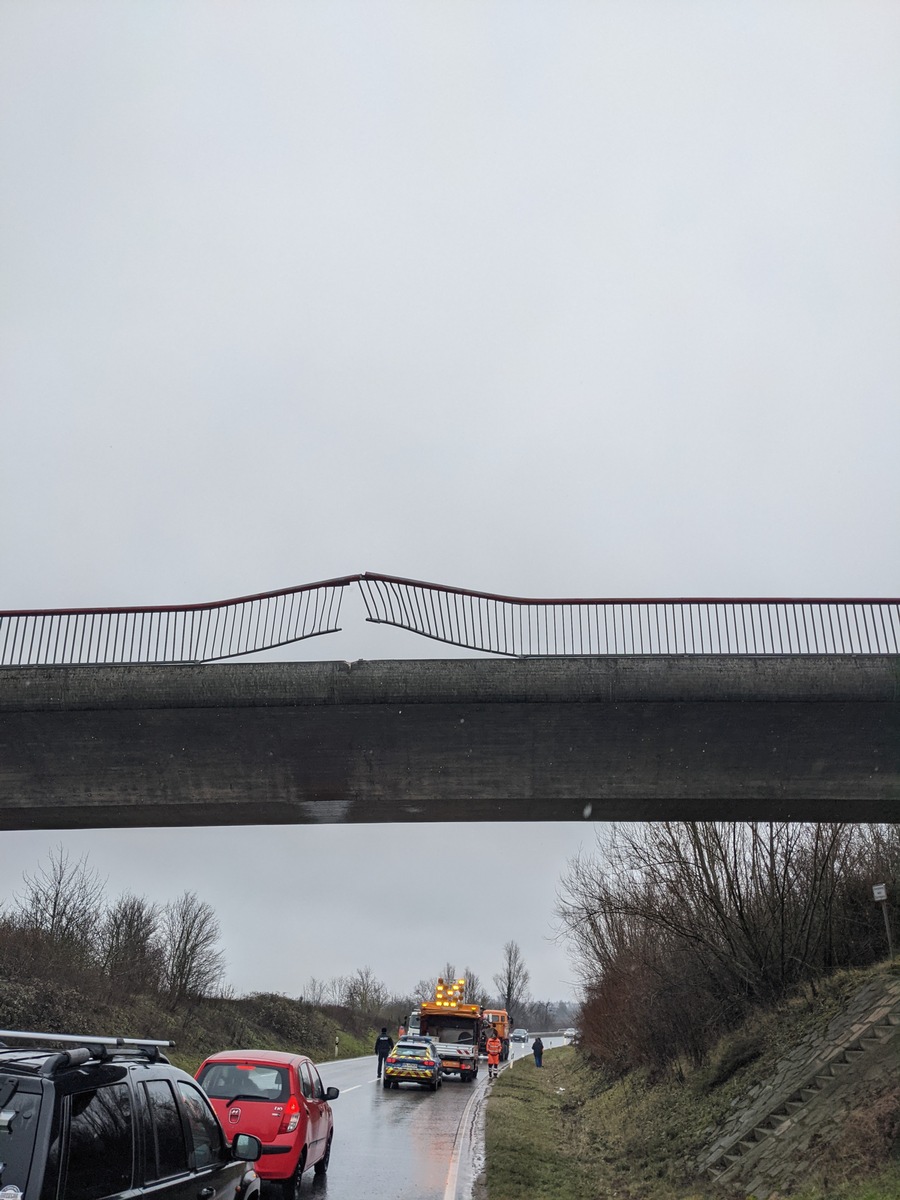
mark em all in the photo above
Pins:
pixel 677 927
pixel 364 993
pixel 129 947
pixel 294 1022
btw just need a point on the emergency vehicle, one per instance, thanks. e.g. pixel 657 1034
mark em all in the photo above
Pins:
pixel 454 1027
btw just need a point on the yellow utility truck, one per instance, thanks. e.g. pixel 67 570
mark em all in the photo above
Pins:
pixel 454 1027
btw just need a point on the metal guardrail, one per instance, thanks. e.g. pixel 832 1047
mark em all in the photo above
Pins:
pixel 495 624
pixel 515 626
pixel 189 633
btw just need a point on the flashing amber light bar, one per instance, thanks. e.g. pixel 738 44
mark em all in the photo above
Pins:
pixel 448 995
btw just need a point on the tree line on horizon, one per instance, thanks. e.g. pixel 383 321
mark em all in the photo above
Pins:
pixel 362 991
pixel 60 925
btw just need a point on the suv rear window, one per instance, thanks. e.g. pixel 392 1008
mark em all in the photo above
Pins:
pixel 250 1081
pixel 165 1147
pixel 18 1125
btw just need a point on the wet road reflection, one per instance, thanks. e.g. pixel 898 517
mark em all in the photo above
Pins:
pixel 399 1144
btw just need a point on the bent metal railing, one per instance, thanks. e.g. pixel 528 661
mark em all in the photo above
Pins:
pixel 507 625
pixel 159 634
pixel 516 626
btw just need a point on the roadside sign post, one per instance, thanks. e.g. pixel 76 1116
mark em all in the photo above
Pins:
pixel 879 893
pixel 335 1045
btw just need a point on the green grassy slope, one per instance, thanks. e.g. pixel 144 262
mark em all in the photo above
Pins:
pixel 199 1028
pixel 566 1132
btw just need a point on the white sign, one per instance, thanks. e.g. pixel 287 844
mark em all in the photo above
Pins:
pixel 879 891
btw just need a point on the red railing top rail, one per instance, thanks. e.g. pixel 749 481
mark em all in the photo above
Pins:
pixel 501 599
pixel 497 597
pixel 205 606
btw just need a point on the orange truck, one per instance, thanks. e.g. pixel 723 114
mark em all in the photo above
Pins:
pixel 495 1019
pixel 454 1027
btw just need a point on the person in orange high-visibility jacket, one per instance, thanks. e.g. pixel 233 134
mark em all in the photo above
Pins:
pixel 493 1046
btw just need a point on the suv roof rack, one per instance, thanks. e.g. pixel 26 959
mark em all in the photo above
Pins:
pixel 90 1046
pixel 82 1039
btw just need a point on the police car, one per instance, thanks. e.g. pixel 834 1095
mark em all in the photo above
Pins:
pixel 413 1060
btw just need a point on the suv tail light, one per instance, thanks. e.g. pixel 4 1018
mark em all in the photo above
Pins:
pixel 392 1059
pixel 291 1118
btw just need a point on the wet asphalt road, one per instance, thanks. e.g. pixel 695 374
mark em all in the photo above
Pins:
pixel 404 1144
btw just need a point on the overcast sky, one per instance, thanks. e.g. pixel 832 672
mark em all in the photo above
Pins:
pixel 538 298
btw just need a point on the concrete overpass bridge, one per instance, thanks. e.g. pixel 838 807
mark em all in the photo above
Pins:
pixel 599 709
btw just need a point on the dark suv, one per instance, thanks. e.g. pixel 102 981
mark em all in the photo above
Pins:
pixel 111 1117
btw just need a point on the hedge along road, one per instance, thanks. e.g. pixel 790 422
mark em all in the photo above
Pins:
pixel 407 1143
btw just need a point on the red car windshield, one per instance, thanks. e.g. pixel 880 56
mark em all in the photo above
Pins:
pixel 250 1081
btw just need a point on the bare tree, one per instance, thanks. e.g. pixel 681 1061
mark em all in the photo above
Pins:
pixel 64 901
pixel 539 1015
pixel 364 993
pixel 402 1004
pixel 192 963
pixel 511 981
pixel 129 947
pixel 315 992
pixel 425 988
pixel 474 992
pixel 335 989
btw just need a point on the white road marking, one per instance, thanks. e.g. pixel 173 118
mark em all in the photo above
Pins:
pixel 344 1090
pixel 453 1172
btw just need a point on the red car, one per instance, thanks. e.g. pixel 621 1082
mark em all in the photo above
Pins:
pixel 279 1098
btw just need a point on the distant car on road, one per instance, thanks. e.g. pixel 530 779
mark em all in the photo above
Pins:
pixel 279 1098
pixel 570 1034
pixel 413 1060
pixel 519 1035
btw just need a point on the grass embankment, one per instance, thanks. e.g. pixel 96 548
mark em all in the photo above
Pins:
pixel 266 1021
pixel 567 1133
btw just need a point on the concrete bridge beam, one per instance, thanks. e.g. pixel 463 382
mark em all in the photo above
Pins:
pixel 811 738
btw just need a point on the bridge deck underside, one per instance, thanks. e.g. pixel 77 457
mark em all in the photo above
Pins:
pixel 516 740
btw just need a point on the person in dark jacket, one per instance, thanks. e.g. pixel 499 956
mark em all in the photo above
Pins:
pixel 537 1049
pixel 384 1044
